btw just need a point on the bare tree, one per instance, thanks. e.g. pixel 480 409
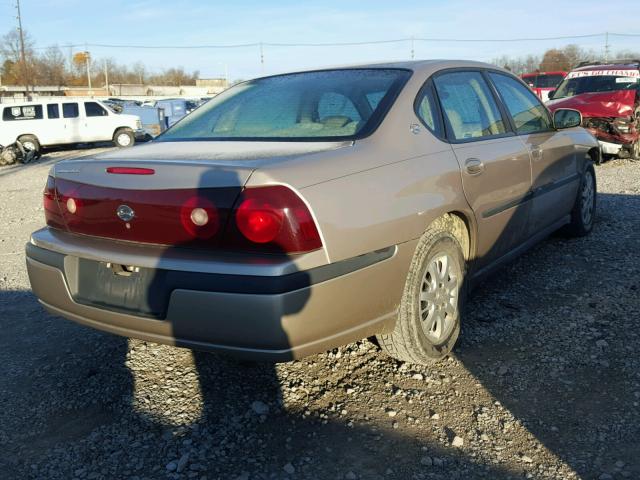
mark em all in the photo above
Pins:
pixel 10 52
pixel 52 67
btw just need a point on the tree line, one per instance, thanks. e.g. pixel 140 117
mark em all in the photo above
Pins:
pixel 52 67
pixel 559 59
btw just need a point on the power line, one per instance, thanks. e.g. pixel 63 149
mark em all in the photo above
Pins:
pixel 353 43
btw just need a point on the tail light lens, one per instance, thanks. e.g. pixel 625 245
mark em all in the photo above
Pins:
pixel 270 219
pixel 273 219
pixel 51 208
pixel 186 217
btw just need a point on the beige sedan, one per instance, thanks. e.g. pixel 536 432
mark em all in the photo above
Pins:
pixel 299 212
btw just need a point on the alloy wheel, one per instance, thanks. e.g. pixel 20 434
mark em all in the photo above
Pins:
pixel 439 297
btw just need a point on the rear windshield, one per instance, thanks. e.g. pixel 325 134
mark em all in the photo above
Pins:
pixel 543 81
pixel 595 83
pixel 323 105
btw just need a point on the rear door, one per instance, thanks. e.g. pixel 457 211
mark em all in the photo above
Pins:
pixel 495 165
pixel 554 167
pixel 72 123
pixel 55 126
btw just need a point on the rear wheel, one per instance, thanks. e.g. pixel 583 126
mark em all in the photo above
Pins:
pixel 584 210
pixel 30 142
pixel 124 137
pixel 428 322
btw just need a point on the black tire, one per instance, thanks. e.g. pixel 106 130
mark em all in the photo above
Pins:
pixel 581 220
pixel 124 138
pixel 30 142
pixel 409 340
pixel 635 150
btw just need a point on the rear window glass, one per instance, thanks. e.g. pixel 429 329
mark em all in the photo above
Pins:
pixel 468 105
pixel 543 81
pixel 332 104
pixel 22 112
pixel 374 98
pixel 53 111
pixel 70 110
pixel 548 81
pixel 427 111
pixel 336 105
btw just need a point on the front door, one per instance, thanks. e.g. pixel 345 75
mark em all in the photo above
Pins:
pixel 97 124
pixel 495 165
pixel 554 167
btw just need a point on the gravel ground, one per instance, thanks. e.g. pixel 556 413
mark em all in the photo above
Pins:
pixel 545 382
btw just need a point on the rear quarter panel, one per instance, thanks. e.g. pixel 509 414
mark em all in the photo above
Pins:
pixel 386 205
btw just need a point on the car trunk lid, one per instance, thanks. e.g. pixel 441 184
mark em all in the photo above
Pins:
pixel 178 194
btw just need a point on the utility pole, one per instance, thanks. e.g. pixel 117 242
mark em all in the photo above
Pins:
pixel 88 69
pixel 23 57
pixel 70 57
pixel 412 47
pixel 106 77
pixel 606 47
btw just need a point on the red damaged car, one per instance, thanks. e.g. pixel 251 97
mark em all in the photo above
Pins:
pixel 608 97
pixel 543 82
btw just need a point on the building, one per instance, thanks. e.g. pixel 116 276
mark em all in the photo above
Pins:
pixel 216 85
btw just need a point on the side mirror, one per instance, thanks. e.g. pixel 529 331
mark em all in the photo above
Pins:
pixel 567 118
pixel 551 94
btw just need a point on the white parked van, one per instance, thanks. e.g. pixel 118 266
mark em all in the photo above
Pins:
pixel 58 121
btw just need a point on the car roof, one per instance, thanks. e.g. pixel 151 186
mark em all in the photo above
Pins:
pixel 418 66
pixel 48 99
pixel 610 66
pixel 535 74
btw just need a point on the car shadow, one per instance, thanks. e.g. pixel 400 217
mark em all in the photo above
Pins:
pixel 79 403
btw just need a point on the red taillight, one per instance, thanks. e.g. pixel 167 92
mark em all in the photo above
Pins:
pixel 273 219
pixel 131 171
pixel 270 219
pixel 258 221
pixel 51 209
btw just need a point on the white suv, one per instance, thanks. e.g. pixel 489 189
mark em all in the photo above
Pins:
pixel 58 121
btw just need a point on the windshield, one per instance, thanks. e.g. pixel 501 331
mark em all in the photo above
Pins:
pixel 576 85
pixel 332 104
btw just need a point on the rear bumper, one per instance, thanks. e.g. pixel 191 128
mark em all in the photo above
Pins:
pixel 280 318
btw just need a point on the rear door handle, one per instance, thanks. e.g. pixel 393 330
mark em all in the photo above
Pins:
pixel 474 166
